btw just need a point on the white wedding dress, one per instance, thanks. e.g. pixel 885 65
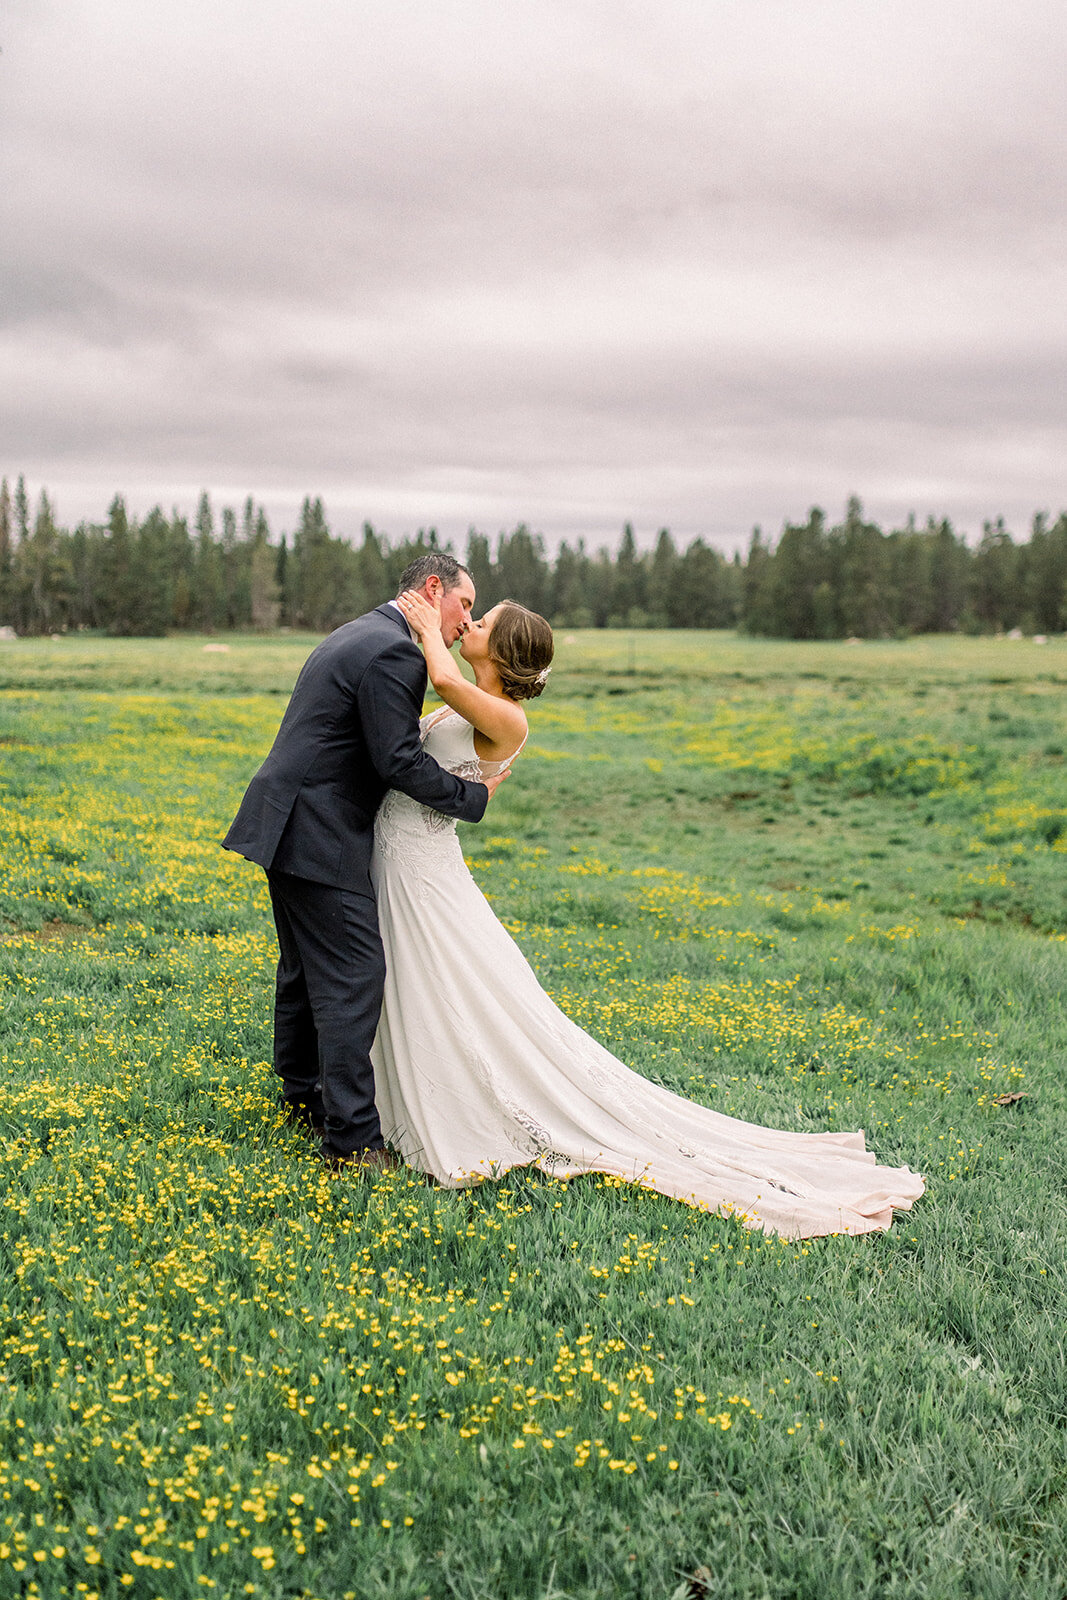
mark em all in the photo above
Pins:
pixel 476 1070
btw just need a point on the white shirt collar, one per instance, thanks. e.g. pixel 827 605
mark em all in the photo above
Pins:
pixel 407 624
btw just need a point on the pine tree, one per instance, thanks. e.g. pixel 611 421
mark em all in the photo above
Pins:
pixel 263 583
pixel 704 589
pixel 328 589
pixel 20 540
pixel 1045 577
pixel 22 512
pixel 801 566
pixel 858 579
pixel 88 563
pixel 479 564
pixel 600 587
pixel 522 572
pixel 182 565
pixel 1059 533
pixel 373 571
pixel 207 571
pixel 235 562
pixel 121 592
pixel 993 592
pixel 43 573
pixel 20 534
pixel 628 601
pixel 664 599
pixel 908 552
pixel 757 598
pixel 284 574
pixel 400 556
pixel 5 555
pixel 948 564
pixel 151 604
pixel 570 588
pixel 316 580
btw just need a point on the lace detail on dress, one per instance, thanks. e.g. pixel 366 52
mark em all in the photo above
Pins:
pixel 403 827
pixel 472 770
pixel 472 767
pixel 528 1135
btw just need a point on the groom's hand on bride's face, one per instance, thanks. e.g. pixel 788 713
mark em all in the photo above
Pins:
pixel 493 784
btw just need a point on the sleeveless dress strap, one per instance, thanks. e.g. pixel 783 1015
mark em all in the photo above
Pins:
pixel 447 711
pixel 514 756
pixel 516 753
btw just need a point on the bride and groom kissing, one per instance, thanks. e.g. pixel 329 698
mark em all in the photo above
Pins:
pixel 407 1023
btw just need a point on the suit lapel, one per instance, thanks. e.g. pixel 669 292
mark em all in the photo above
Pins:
pixel 396 617
pixel 402 622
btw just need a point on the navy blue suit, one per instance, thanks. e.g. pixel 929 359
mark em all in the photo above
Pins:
pixel 351 731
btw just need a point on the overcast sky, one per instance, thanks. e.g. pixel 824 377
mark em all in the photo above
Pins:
pixel 700 263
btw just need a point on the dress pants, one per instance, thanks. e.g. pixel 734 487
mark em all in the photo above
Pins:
pixel 328 997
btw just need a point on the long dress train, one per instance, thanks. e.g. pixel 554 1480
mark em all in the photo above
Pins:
pixel 477 1070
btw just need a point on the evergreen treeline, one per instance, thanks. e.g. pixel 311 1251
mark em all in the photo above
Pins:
pixel 854 580
pixel 151 576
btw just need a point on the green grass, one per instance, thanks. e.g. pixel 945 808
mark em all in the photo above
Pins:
pixel 816 886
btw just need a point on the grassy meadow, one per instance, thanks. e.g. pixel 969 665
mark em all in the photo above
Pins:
pixel 817 886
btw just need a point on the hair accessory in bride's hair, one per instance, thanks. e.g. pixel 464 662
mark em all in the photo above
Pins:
pixel 542 676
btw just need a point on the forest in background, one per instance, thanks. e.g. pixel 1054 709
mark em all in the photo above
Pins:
pixel 157 574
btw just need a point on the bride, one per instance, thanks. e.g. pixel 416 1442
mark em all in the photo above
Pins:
pixel 476 1070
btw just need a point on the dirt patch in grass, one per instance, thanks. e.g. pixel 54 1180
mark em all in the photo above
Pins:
pixel 53 931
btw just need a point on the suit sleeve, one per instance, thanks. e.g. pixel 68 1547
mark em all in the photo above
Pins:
pixel 389 697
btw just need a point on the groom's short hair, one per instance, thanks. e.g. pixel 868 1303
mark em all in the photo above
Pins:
pixel 436 564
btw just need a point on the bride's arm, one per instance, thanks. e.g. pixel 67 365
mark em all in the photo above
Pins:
pixel 499 720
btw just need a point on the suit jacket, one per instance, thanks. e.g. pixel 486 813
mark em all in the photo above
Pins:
pixel 351 731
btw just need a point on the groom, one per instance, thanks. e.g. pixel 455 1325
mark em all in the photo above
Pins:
pixel 351 732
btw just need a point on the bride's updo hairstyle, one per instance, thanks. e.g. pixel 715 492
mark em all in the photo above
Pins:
pixel 520 648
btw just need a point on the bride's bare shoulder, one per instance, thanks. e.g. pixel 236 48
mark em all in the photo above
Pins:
pixel 501 734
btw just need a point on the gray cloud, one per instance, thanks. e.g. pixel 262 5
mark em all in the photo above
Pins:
pixel 567 263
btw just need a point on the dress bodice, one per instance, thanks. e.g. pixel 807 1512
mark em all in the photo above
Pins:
pixel 403 829
pixel 449 738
